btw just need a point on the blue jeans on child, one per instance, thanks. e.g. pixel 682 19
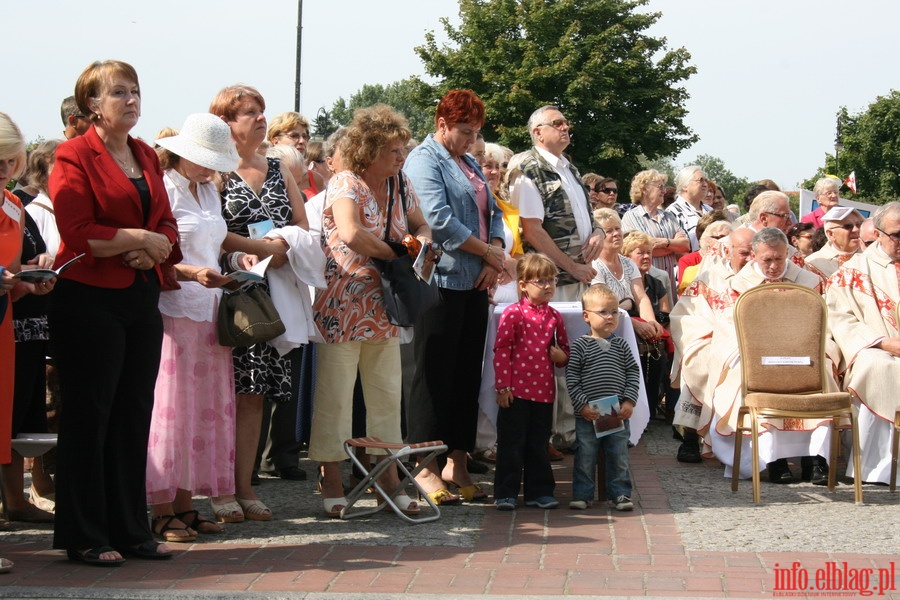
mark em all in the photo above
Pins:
pixel 618 479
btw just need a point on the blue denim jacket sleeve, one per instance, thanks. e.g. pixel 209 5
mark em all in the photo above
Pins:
pixel 448 205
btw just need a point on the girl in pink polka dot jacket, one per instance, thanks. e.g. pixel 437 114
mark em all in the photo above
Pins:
pixel 531 338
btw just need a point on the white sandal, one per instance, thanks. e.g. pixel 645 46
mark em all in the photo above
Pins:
pixel 255 510
pixel 334 506
pixel 227 512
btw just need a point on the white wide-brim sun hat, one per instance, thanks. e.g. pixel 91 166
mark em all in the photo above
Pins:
pixel 205 139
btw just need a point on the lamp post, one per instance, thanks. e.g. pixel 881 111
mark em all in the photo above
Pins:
pixel 299 49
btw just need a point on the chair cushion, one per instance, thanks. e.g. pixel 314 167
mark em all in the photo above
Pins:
pixel 799 403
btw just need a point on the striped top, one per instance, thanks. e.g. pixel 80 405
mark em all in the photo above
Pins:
pixel 599 368
pixel 661 225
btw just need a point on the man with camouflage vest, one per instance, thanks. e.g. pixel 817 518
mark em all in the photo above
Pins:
pixel 556 217
pixel 554 207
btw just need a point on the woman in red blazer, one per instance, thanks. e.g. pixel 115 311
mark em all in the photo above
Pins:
pixel 111 205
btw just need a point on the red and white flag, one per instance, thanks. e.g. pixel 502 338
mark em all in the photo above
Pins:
pixel 850 182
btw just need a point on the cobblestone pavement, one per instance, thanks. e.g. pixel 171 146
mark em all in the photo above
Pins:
pixel 688 536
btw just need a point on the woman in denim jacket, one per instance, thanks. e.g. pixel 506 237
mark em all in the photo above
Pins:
pixel 449 339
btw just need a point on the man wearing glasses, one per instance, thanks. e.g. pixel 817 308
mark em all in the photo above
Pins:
pixel 862 319
pixel 556 218
pixel 842 229
pixel 73 119
pixel 691 186
pixel 554 207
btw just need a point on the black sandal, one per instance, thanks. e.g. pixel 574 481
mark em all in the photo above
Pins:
pixel 194 521
pixel 162 526
pixel 91 556
pixel 146 550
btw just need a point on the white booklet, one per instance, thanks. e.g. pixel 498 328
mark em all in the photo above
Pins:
pixel 257 273
pixel 609 420
pixel 36 275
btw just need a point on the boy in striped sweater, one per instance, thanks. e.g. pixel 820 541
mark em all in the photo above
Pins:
pixel 601 364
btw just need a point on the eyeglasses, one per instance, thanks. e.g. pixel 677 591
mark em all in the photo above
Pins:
pixel 556 123
pixel 607 190
pixel 805 236
pixel 544 282
pixel 848 226
pixel 780 215
pixel 701 181
pixel 895 237
pixel 604 313
pixel 866 242
pixel 297 136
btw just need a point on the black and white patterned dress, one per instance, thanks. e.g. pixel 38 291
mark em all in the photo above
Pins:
pixel 258 369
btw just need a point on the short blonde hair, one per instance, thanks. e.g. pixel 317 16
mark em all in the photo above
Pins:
pixel 95 77
pixel 607 215
pixel 284 123
pixel 372 129
pixel 289 156
pixel 635 240
pixel 597 292
pixel 642 180
pixel 12 144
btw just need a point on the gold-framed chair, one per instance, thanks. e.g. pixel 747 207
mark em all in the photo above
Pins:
pixel 781 330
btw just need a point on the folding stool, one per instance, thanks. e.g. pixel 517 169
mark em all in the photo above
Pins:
pixel 396 453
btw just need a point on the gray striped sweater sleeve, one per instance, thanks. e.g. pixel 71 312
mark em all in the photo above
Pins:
pixel 599 368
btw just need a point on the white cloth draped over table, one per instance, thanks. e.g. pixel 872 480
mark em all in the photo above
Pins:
pixel 575 327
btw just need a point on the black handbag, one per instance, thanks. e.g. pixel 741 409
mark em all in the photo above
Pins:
pixel 406 296
pixel 247 316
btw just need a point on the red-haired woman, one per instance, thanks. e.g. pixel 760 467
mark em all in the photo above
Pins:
pixel 449 339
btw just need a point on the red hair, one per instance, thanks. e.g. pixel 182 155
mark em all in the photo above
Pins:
pixel 460 106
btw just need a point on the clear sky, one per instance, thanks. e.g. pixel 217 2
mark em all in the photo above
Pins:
pixel 771 74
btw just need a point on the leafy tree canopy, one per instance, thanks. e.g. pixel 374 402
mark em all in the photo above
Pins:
pixel 871 148
pixel 620 88
pixel 407 96
pixel 734 187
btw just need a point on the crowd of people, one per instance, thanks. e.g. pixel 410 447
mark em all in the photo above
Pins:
pixel 155 411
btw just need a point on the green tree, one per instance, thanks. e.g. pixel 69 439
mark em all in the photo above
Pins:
pixel 733 187
pixel 870 147
pixel 407 96
pixel 620 88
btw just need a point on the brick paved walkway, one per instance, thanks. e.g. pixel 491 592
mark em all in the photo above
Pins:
pixel 526 552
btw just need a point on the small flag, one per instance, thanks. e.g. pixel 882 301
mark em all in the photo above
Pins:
pixel 850 182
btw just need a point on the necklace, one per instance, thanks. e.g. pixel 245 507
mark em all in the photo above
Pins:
pixel 127 165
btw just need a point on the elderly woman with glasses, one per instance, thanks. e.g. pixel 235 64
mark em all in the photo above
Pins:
pixel 668 238
pixel 843 242
pixel 292 129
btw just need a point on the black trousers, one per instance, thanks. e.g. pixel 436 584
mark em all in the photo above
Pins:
pixel 522 433
pixel 106 343
pixel 279 445
pixel 449 346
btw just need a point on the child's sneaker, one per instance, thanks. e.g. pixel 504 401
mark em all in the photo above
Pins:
pixel 505 503
pixel 579 504
pixel 622 503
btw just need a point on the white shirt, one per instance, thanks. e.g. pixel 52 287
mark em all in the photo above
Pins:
pixel 41 210
pixel 524 194
pixel 201 231
pixel 688 216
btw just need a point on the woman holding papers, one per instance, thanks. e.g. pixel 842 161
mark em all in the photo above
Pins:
pixel 258 196
pixel 191 448
pixel 361 203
